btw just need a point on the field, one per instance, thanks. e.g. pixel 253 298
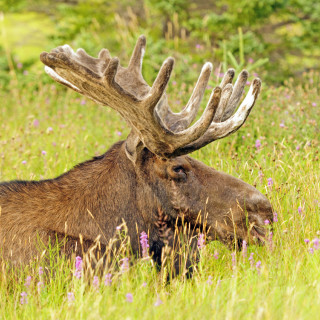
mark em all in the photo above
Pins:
pixel 46 130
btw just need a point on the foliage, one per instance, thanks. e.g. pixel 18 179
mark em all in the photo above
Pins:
pixel 279 35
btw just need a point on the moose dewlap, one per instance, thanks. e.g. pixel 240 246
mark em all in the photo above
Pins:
pixel 148 180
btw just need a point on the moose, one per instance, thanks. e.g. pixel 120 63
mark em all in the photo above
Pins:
pixel 148 180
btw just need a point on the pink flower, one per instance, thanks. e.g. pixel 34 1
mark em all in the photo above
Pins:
pixel 201 241
pixel 129 297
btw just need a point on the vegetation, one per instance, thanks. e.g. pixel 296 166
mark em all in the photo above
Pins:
pixel 46 130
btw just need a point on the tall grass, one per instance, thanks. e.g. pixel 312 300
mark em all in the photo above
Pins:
pixel 45 130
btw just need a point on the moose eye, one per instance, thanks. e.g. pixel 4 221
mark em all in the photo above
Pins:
pixel 178 169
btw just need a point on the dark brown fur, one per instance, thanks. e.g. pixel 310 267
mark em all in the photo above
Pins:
pixel 112 190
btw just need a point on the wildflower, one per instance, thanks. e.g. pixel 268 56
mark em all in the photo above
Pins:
pixel 158 302
pixel 24 299
pixel 233 259
pixel 298 147
pixel 83 102
pixel 275 217
pixel 40 271
pixel 258 144
pixel 107 279
pixel 198 46
pixel 299 210
pixel 36 123
pixel 19 65
pixel 266 222
pixel 258 266
pixel 78 270
pixel 306 241
pixel 311 250
pixel 118 228
pixel 28 281
pixel 251 260
pixel 144 244
pixel 24 162
pixel 43 152
pixel 282 125
pixel 144 284
pixel 209 281
pixel 39 286
pixel 50 129
pixel 129 297
pixel 216 254
pixel 314 104
pixel 95 282
pixel 25 72
pixel 201 241
pixel 71 297
pixel 119 133
pixel 250 60
pixel 174 83
pixel 244 249
pixel 270 182
pixel 316 243
pixel 124 264
pixel 270 240
pixel 219 283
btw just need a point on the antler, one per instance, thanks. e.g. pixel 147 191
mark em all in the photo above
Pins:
pixel 163 132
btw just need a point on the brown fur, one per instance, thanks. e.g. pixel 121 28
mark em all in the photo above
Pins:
pixel 112 189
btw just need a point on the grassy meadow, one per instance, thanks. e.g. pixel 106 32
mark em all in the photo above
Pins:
pixel 46 130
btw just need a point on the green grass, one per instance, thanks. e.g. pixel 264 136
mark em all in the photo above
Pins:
pixel 287 286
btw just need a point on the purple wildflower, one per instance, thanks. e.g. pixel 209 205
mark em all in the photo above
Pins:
pixel 244 249
pixel 40 271
pixel 266 222
pixel 24 162
pixel 198 46
pixel 124 264
pixel 28 281
pixel 43 152
pixel 158 302
pixel 50 129
pixel 83 102
pixel 19 65
pixel 144 244
pixel 311 250
pixel 216 254
pixel 270 182
pixel 144 284
pixel 258 144
pixel 39 286
pixel 250 60
pixel 129 297
pixel 36 123
pixel 299 210
pixel 71 297
pixel 107 279
pixel 233 259
pixel 297 147
pixel 316 243
pixel 78 270
pixel 201 241
pixel 314 104
pixel 95 282
pixel 209 281
pixel 275 217
pixel 270 240
pixel 24 299
pixel 306 241
pixel 282 125
pixel 251 260
pixel 258 266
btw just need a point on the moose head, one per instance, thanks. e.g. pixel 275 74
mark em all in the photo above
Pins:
pixel 147 180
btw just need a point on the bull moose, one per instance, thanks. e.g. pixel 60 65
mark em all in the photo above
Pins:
pixel 146 176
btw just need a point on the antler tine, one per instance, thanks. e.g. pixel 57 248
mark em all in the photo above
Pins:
pixel 236 94
pixel 160 84
pixel 135 63
pixel 225 96
pixel 220 130
pixel 182 120
pixel 227 78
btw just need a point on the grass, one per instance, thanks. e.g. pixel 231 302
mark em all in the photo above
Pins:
pixel 46 130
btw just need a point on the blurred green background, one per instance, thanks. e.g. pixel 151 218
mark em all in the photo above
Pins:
pixel 275 38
